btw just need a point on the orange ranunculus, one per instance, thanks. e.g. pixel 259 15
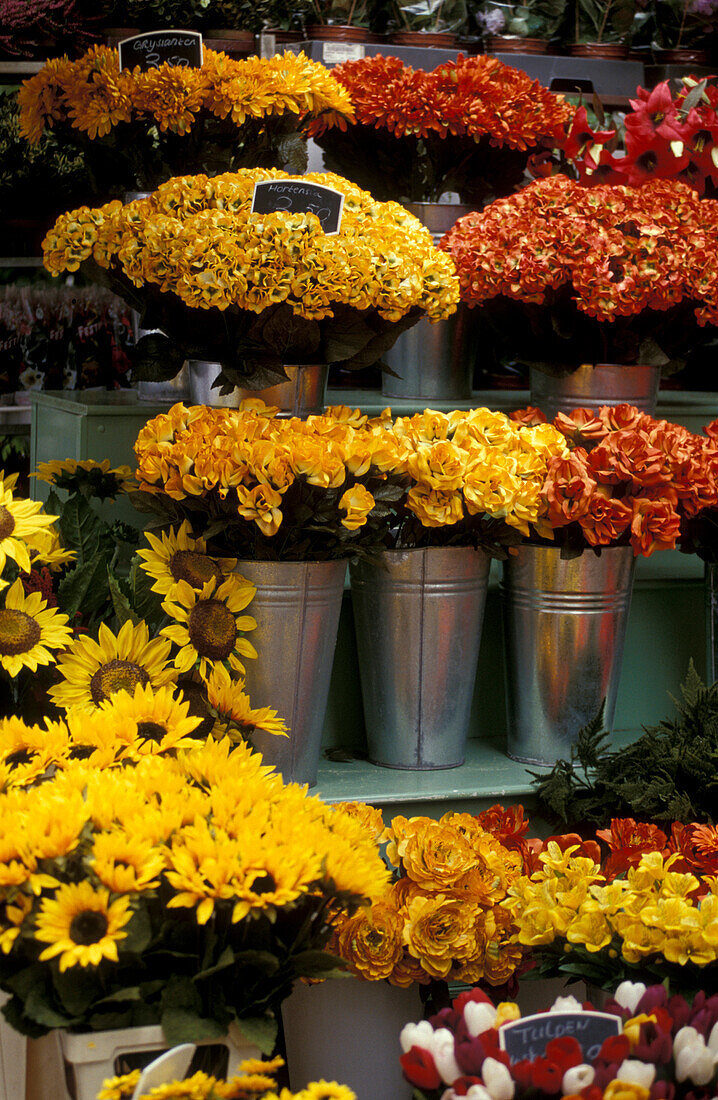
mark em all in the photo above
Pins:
pixel 579 425
pixel 620 417
pixel 656 525
pixel 530 416
pixel 629 456
pixel 568 488
pixel 628 841
pixel 607 518
pixel 435 855
pixel 697 846
pixel 370 941
pixel 439 932
pixel 357 502
pixel 262 504
pixel 434 507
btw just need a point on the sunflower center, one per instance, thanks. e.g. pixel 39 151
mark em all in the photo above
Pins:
pixel 7 522
pixel 196 569
pixel 151 731
pixel 115 676
pixel 21 756
pixel 18 631
pixel 81 752
pixel 88 927
pixel 212 629
pixel 196 696
pixel 264 884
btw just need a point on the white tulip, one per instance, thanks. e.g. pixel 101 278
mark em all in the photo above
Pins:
pixel 416 1035
pixel 478 1017
pixel 497 1079
pixel 695 1063
pixel 478 1092
pixel 448 1094
pixel 566 1004
pixel 577 1078
pixel 444 1060
pixel 633 1072
pixel 629 994
pixel 686 1036
pixel 712 1043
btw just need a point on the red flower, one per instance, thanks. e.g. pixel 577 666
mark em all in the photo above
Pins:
pixel 589 849
pixel 564 1052
pixel 420 1069
pixel 581 135
pixel 606 520
pixel 568 488
pixel 531 415
pixel 546 1075
pixel 654 114
pixel 628 840
pixel 580 425
pixel 614 1049
pixel 656 525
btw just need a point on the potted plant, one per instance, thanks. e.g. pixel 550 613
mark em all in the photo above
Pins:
pixel 520 28
pixel 428 22
pixel 40 28
pixel 171 121
pixel 601 30
pixel 624 490
pixel 571 274
pixel 683 31
pixel 253 315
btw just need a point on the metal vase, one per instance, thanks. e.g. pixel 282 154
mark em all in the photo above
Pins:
pixel 297 609
pixel 418 617
pixel 301 395
pixel 434 361
pixel 711 591
pixel 564 631
pixel 595 384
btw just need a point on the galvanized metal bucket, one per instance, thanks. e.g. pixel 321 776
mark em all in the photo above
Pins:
pixel 297 611
pixel 418 617
pixel 711 591
pixel 595 384
pixel 564 632
pixel 301 395
pixel 435 361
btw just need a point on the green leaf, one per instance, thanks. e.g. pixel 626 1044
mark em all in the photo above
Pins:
pixel 225 960
pixel 120 603
pixel 139 933
pixel 77 989
pixel 156 358
pixel 260 1030
pixel 182 1025
pixel 262 960
pixel 106 1021
pixel 129 993
pixel 146 604
pixel 81 528
pixel 317 964
pixel 84 588
pixel 39 1008
pixel 13 1012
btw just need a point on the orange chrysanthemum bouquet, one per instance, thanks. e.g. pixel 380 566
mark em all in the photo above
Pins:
pixel 618 274
pixel 137 128
pixel 466 126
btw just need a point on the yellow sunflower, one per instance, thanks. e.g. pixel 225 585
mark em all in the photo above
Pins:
pixel 177 556
pixel 12 915
pixel 72 474
pixel 92 671
pixel 126 863
pixel 30 631
pixel 327 1090
pixel 18 520
pixel 207 626
pixel 97 737
pixel 161 720
pixel 26 752
pixel 45 548
pixel 81 925
pixel 234 709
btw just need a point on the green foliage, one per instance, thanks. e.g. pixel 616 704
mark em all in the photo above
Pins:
pixel 669 774
pixel 603 20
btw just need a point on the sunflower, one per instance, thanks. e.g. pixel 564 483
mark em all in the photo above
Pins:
pixel 81 925
pixel 87 476
pixel 45 548
pixel 12 915
pixel 208 624
pixel 92 671
pixel 26 752
pixel 18 520
pixel 30 630
pixel 126 863
pixel 177 556
pixel 96 736
pixel 161 720
pixel 327 1090
pixel 234 709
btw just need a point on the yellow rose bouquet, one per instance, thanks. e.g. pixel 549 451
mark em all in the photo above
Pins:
pixel 135 129
pixel 146 879
pixel 257 291
pixel 260 487
pixel 441 919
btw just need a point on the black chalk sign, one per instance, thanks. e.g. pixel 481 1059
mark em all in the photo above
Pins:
pixel 155 48
pixel 299 196
pixel 529 1037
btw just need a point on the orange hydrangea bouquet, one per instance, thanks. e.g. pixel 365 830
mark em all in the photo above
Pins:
pixel 626 275
pixel 135 129
pixel 467 126
pixel 441 919
pixel 627 479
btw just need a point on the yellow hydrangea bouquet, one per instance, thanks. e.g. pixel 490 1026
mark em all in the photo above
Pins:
pixel 257 291
pixel 135 129
pixel 261 487
pixel 254 1080
pixel 655 921
pixel 162 882
pixel 441 919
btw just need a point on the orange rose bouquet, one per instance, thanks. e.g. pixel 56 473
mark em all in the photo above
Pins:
pixel 627 479
pixel 467 126
pixel 441 918
pixel 624 274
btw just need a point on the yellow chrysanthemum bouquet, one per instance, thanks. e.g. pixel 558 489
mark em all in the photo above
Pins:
pixel 182 886
pixel 261 487
pixel 257 291
pixel 135 129
pixel 655 922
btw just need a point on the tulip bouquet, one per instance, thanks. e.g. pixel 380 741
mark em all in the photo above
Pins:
pixel 649 911
pixel 260 487
pixel 627 479
pixel 441 919
pixel 466 126
pixel 147 879
pixel 625 272
pixel 135 129
pixel 663 1047
pixel 260 290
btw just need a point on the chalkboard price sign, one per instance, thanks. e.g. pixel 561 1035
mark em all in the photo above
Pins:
pixel 300 197
pixel 529 1037
pixel 156 48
